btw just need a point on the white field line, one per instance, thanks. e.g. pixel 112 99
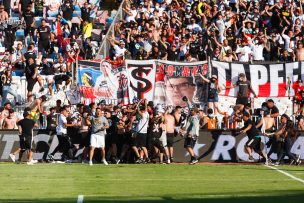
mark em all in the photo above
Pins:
pixel 80 199
pixel 287 174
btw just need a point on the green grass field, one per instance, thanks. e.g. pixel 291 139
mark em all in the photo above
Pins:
pixel 149 183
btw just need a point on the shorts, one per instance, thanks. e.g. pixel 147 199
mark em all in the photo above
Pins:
pixel 254 143
pixel 31 83
pixel 214 99
pixel 163 139
pixel 170 139
pixel 43 45
pixel 158 144
pixel 242 100
pixel 60 78
pixel 97 141
pixel 84 139
pixel 48 78
pixel 140 140
pixel 189 142
pixel 26 142
pixel 29 31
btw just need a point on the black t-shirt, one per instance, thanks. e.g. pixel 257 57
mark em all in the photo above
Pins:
pixel 28 18
pixel 28 55
pixel 24 4
pixel 273 110
pixel 47 69
pixel 68 12
pixel 113 121
pixel 30 71
pixel 44 33
pixel 51 122
pixel 253 130
pixel 173 55
pixel 27 126
pixel 85 14
pixel 244 88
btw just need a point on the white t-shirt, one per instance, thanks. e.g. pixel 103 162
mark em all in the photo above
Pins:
pixel 257 52
pixel 132 17
pixel 119 51
pixel 243 53
pixel 61 129
pixel 142 126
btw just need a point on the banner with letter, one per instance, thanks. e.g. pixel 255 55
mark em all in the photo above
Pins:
pixel 141 79
pixel 101 80
pixel 216 146
pixel 174 80
pixel 267 80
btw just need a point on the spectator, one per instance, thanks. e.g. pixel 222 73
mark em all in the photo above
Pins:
pixel 3 14
pixel 43 33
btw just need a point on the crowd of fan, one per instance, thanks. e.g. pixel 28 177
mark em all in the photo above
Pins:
pixel 143 132
pixel 53 40
pixel 225 30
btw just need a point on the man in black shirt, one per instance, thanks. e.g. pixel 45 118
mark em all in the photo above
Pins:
pixel 173 53
pixel 85 12
pixel 31 74
pixel 112 137
pixel 48 72
pixel 67 10
pixel 44 33
pixel 244 88
pixel 26 127
pixel 273 110
pixel 23 5
pixel 28 17
pixel 254 138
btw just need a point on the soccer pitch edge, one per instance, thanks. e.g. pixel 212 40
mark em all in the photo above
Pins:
pixel 80 198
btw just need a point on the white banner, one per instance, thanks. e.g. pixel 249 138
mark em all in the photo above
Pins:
pixel 141 79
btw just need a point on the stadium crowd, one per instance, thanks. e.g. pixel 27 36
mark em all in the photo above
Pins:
pixel 225 30
pixel 143 132
pixel 42 39
pixel 171 30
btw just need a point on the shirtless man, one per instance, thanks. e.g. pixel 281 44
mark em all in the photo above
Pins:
pixel 5 112
pixel 10 121
pixel 172 121
pixel 299 52
pixel 3 14
pixel 36 107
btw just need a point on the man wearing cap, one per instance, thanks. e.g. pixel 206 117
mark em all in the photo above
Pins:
pixel 254 138
pixel 244 88
pixel 119 50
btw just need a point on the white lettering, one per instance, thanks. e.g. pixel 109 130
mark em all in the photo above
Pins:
pixel 223 145
pixel 10 140
pixel 275 80
pixel 258 76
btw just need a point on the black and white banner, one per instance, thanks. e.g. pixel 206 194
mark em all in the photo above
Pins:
pixel 268 80
pixel 214 146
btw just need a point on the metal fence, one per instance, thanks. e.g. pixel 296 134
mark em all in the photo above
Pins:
pixel 104 49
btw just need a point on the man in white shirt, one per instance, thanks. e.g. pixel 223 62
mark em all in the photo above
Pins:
pixel 257 50
pixel 243 52
pixel 141 133
pixel 119 50
pixel 61 131
pixel 98 124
